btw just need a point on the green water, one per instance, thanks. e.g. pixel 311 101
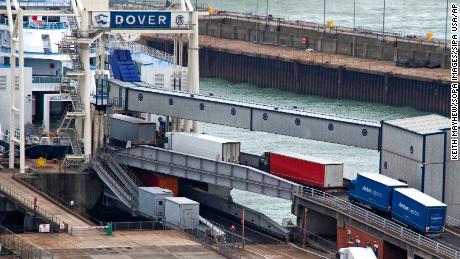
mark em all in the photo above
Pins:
pixel 354 159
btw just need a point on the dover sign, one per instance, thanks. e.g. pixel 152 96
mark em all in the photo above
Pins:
pixel 140 20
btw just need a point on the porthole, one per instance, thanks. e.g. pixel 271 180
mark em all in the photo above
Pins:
pixel 140 97
pixel 411 149
pixel 385 165
pixel 364 132
pixel 201 106
pixel 297 121
pixel 265 116
pixel 330 127
pixel 233 111
pixel 171 101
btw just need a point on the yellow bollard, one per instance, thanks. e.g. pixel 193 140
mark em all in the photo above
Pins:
pixel 429 36
pixel 41 162
pixel 210 10
pixel 330 24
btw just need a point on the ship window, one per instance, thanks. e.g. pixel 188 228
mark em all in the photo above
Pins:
pixel 160 203
pixel 6 60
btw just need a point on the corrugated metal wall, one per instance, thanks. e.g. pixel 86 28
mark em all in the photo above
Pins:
pixel 321 80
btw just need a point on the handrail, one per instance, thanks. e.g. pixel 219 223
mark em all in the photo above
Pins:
pixel 316 240
pixel 18 245
pixel 34 207
pixel 136 47
pixel 387 226
pixel 452 222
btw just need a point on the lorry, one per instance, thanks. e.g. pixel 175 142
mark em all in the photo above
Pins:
pixel 356 253
pixel 374 190
pixel 202 145
pixel 303 169
pixel 418 210
pixel 126 129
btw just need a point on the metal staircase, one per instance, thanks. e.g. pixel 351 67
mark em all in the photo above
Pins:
pixel 69 88
pixel 118 179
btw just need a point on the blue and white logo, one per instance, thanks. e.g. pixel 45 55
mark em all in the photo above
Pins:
pixel 140 20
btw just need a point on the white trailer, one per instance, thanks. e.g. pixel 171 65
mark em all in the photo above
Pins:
pixel 152 201
pixel 356 253
pixel 206 146
pixel 182 212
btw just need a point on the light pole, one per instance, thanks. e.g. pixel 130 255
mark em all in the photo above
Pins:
pixel 257 22
pixel 354 15
pixel 383 27
pixel 445 32
pixel 324 15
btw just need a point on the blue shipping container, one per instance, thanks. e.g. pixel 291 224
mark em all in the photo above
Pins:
pixel 418 210
pixel 375 190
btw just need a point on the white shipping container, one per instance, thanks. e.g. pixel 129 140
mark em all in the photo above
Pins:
pixel 182 212
pixel 206 146
pixel 152 201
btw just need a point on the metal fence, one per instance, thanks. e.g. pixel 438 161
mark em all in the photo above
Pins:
pixel 452 222
pixel 139 48
pixel 387 226
pixel 60 224
pixel 313 240
pixel 135 225
pixel 17 245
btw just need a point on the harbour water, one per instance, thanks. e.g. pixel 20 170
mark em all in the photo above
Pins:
pixel 354 159
pixel 409 17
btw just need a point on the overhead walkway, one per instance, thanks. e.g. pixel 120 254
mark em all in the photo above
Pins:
pixel 144 97
pixel 45 208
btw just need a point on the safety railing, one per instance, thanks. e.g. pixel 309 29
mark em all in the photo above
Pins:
pixel 387 226
pixel 313 240
pixel 46 80
pixel 135 225
pixel 17 245
pixel 452 222
pixel 63 226
pixel 125 168
pixel 112 181
pixel 139 48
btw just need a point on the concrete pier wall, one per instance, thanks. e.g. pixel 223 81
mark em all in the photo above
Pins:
pixel 324 80
pixel 342 41
pixel 82 188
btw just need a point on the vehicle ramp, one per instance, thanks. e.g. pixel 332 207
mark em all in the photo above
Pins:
pixel 206 170
pixel 44 207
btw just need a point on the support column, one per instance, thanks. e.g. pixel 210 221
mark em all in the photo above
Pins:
pixel 193 82
pixel 85 87
pixel 22 139
pixel 12 87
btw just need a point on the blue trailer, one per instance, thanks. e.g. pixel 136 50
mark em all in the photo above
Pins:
pixel 374 190
pixel 418 210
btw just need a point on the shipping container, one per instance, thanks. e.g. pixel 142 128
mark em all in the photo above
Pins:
pixel 304 169
pixel 205 146
pixel 152 201
pixel 374 190
pixel 182 212
pixel 124 129
pixel 418 210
